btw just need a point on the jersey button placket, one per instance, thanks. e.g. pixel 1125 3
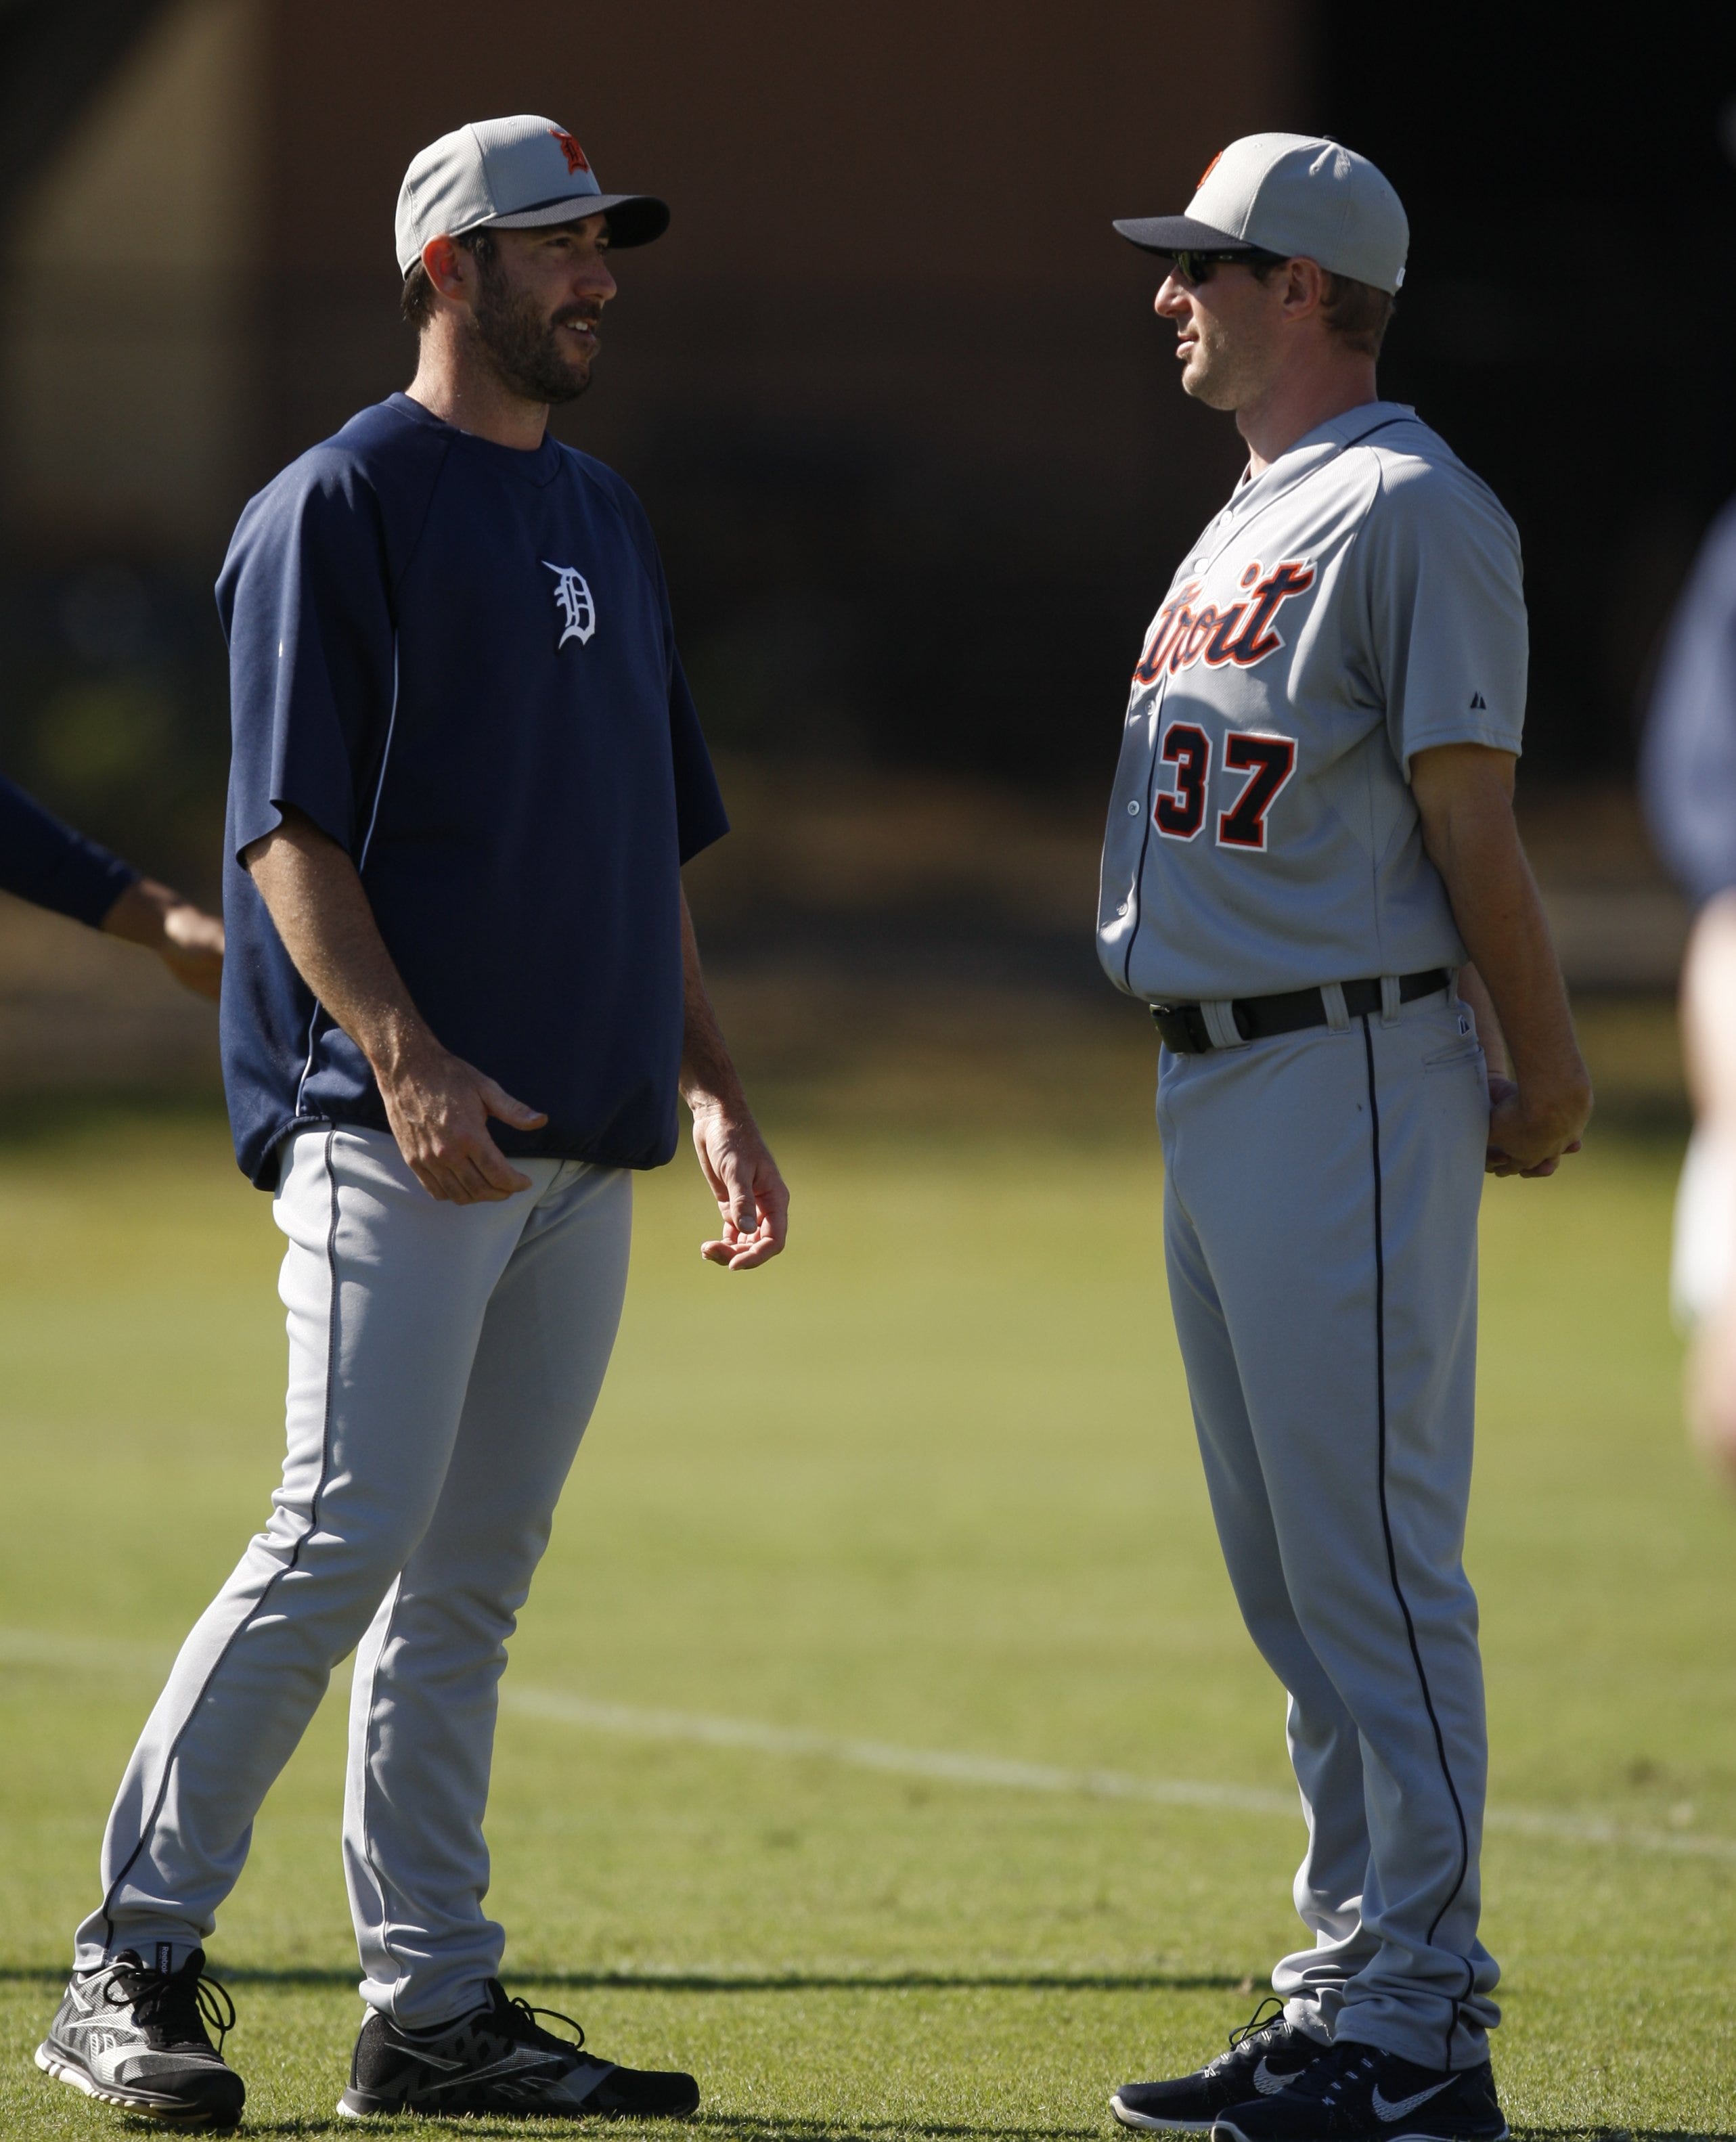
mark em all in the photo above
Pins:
pixel 1154 716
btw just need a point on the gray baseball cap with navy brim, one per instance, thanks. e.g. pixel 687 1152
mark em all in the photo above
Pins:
pixel 1297 195
pixel 515 174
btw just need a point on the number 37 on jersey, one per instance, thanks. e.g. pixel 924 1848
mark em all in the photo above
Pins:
pixel 1255 767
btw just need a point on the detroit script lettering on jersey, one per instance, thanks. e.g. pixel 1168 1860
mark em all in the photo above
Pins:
pixel 1243 633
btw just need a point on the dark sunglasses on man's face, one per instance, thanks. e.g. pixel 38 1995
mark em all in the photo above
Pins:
pixel 1195 267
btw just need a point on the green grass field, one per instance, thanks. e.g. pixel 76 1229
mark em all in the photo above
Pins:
pixel 929 1484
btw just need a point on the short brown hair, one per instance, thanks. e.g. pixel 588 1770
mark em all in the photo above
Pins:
pixel 416 301
pixel 1357 313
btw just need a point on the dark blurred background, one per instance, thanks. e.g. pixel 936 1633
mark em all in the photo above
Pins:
pixel 890 388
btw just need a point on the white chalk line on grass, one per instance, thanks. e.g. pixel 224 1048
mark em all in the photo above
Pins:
pixel 936 1762
pixel 31 1647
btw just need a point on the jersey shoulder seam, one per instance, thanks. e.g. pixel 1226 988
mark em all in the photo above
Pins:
pixel 1445 468
pixel 422 526
pixel 336 456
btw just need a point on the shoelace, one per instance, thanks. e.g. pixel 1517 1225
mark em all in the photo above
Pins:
pixel 1258 2023
pixel 178 2001
pixel 1328 2076
pixel 530 2014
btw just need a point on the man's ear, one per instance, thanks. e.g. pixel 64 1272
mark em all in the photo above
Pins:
pixel 443 263
pixel 1302 287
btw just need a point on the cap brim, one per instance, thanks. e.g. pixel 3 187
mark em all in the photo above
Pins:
pixel 1178 234
pixel 633 218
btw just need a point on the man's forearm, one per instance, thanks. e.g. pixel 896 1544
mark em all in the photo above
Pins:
pixel 138 913
pixel 709 1076
pixel 1464 795
pixel 321 913
pixel 1464 798
pixel 753 1201
pixel 1500 915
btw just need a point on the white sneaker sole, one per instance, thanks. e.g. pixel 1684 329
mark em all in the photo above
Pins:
pixel 153 2107
pixel 346 2111
pixel 1129 2118
pixel 1222 2131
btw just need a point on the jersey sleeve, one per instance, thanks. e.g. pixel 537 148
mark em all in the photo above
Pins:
pixel 46 863
pixel 1687 761
pixel 306 605
pixel 1448 643
pixel 700 818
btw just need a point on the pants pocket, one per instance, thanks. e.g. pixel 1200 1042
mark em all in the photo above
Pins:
pixel 1451 1057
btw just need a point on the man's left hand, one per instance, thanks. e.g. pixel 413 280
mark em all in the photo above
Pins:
pixel 751 1199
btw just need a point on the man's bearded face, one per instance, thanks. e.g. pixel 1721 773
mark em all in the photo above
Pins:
pixel 544 355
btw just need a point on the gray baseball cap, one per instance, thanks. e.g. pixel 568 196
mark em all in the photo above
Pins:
pixel 512 175
pixel 1299 195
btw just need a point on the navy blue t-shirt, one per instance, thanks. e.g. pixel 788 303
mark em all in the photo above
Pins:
pixel 48 864
pixel 1688 766
pixel 457 658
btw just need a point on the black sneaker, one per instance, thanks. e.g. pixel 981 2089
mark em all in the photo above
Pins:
pixel 138 2037
pixel 1359 2094
pixel 1265 2054
pixel 498 2059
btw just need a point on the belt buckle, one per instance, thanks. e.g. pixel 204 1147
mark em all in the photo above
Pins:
pixel 1183 1028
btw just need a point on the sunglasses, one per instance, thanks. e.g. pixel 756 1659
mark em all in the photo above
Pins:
pixel 1194 268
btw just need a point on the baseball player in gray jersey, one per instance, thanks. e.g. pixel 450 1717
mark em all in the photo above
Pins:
pixel 1311 841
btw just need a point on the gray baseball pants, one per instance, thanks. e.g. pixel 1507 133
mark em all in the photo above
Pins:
pixel 1320 1233
pixel 444 1360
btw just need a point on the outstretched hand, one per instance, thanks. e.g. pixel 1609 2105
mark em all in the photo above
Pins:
pixel 192 948
pixel 753 1201
pixel 187 940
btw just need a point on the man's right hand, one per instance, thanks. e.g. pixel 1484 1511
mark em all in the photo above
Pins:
pixel 438 1106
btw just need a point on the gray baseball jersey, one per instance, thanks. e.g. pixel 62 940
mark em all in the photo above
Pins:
pixel 1356 603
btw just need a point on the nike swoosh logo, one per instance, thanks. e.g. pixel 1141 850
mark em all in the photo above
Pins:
pixel 1385 2109
pixel 1268 2083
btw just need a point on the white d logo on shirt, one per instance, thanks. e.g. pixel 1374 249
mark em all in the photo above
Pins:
pixel 573 599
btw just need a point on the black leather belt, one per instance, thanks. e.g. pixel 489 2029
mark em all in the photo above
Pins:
pixel 1257 1019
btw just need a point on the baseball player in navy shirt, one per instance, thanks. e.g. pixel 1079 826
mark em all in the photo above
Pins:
pixel 1689 781
pixel 50 865
pixel 462 996
pixel 1311 842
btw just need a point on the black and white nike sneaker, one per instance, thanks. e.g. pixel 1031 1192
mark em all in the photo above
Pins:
pixel 1359 2094
pixel 498 2059
pixel 135 2037
pixel 1266 2055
